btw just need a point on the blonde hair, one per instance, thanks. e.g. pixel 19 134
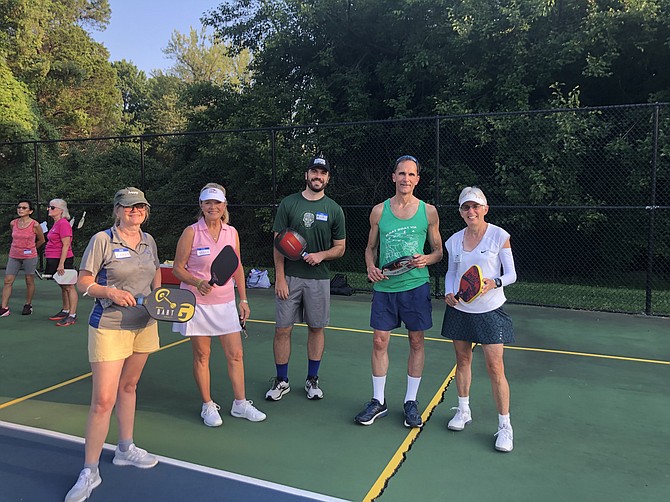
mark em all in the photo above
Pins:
pixel 225 217
pixel 62 205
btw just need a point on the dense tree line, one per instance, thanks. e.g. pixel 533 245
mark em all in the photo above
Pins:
pixel 319 61
pixel 299 64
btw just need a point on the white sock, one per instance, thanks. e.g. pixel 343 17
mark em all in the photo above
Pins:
pixel 378 385
pixel 412 388
pixel 240 402
pixel 464 403
pixel 503 420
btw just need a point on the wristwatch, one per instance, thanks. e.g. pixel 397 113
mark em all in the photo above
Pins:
pixel 498 282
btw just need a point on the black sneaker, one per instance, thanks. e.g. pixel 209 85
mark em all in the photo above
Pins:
pixel 373 410
pixel 61 315
pixel 27 309
pixel 412 416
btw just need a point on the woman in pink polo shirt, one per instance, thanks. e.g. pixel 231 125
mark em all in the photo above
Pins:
pixel 59 255
pixel 215 313
pixel 27 236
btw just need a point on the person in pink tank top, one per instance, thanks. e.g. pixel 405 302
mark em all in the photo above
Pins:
pixel 216 314
pixel 27 237
pixel 59 256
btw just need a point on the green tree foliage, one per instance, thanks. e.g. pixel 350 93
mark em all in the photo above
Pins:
pixel 134 87
pixel 48 49
pixel 199 58
pixel 18 116
pixel 329 60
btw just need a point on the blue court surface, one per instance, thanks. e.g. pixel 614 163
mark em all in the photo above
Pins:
pixel 37 464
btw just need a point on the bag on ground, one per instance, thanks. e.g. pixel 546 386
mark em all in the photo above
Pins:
pixel 340 286
pixel 258 279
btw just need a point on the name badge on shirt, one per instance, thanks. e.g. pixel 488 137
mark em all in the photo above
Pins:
pixel 120 253
pixel 457 258
pixel 202 251
pixel 27 252
pixel 322 216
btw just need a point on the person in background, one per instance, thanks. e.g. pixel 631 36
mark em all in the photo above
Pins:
pixel 215 312
pixel 27 238
pixel 120 264
pixel 302 287
pixel 59 256
pixel 482 321
pixel 400 226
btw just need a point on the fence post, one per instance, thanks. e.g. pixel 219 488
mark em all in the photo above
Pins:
pixel 273 149
pixel 142 178
pixel 652 215
pixel 436 288
pixel 38 195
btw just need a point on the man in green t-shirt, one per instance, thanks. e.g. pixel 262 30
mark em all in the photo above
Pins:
pixel 302 287
pixel 400 227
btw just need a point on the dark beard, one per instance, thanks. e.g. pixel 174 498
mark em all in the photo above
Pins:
pixel 317 190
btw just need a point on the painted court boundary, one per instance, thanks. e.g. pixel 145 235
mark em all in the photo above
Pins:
pixel 183 465
pixel 395 462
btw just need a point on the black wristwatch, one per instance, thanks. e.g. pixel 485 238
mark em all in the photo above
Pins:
pixel 498 282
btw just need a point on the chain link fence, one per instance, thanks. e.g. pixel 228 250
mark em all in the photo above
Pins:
pixel 585 193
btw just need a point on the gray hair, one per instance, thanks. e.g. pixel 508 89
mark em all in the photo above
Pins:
pixel 61 204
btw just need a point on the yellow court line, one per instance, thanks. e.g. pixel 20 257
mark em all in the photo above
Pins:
pixel 68 382
pixel 589 354
pixel 44 391
pixel 399 456
pixel 507 347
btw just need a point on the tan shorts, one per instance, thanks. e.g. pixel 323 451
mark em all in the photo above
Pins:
pixel 117 344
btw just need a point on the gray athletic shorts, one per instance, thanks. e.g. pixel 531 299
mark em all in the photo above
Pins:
pixel 308 301
pixel 14 265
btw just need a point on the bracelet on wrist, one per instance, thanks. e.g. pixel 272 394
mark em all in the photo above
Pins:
pixel 199 283
pixel 89 287
pixel 244 301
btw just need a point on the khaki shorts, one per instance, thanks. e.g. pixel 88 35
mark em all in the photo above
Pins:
pixel 117 344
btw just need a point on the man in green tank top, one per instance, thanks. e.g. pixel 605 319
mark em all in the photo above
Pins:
pixel 400 227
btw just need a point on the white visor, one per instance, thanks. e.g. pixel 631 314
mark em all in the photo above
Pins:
pixel 212 194
pixel 472 197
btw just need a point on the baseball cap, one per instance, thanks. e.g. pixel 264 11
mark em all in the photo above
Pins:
pixel 472 194
pixel 130 196
pixel 318 163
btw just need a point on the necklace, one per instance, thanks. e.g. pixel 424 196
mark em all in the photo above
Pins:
pixel 25 225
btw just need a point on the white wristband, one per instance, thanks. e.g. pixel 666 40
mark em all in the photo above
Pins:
pixel 244 301
pixel 89 287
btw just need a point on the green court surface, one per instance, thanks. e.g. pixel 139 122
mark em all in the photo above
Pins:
pixel 590 407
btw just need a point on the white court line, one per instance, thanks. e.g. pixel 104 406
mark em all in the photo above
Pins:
pixel 184 465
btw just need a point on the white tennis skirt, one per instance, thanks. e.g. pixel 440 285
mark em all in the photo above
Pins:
pixel 211 320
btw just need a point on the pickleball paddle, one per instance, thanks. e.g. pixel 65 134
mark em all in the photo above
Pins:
pixel 291 244
pixel 398 266
pixel 165 304
pixel 471 284
pixel 223 267
pixel 69 277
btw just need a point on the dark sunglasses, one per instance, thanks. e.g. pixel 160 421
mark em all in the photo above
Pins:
pixel 22 207
pixel 140 207
pixel 53 207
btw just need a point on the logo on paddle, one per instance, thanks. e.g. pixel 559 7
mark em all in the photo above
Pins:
pixel 164 308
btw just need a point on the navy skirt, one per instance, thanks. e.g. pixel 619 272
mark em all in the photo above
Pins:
pixel 487 328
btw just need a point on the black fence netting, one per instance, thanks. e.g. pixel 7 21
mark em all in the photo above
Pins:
pixel 585 193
